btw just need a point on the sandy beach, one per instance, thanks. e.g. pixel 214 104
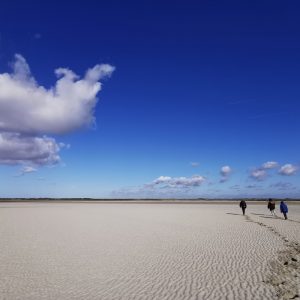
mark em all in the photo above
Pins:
pixel 147 251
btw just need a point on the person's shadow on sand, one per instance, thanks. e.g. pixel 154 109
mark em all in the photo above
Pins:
pixel 234 214
pixel 258 214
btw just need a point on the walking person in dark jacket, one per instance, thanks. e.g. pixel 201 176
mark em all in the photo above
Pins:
pixel 243 206
pixel 284 209
pixel 271 206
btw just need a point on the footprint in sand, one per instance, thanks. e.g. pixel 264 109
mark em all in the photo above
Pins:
pixel 285 277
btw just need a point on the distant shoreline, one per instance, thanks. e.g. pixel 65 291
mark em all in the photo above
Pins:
pixel 141 201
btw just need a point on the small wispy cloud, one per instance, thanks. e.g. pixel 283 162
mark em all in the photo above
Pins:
pixel 283 186
pixel 194 164
pixel 258 174
pixel 235 187
pixel 26 170
pixel 253 186
pixel 270 165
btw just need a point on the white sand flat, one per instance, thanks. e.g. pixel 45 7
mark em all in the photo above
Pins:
pixel 143 251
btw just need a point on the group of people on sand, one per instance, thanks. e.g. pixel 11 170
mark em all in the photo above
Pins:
pixel 271 206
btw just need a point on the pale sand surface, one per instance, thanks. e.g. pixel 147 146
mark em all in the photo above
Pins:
pixel 139 251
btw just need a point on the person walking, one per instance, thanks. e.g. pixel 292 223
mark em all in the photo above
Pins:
pixel 284 209
pixel 271 206
pixel 243 206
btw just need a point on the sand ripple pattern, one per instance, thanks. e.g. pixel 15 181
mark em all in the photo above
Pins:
pixel 134 251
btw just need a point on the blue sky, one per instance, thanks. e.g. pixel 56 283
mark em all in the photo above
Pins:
pixel 187 88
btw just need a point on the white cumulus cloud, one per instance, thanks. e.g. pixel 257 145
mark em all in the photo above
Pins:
pixel 27 107
pixel 225 173
pixel 288 170
pixel 30 112
pixel 262 172
pixel 162 179
pixel 18 149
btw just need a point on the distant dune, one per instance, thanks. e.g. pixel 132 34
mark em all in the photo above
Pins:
pixel 109 250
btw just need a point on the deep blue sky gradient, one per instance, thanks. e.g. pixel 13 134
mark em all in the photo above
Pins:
pixel 214 82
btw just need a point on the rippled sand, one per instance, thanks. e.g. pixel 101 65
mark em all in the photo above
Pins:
pixel 145 251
